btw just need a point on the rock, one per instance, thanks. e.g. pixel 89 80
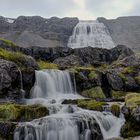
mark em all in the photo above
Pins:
pixel 132 115
pixel 120 52
pixel 7 130
pixel 69 61
pixel 37 31
pixel 114 79
pixel 16 112
pixel 122 33
pixel 115 109
pixel 98 56
pixel 95 92
pixel 9 79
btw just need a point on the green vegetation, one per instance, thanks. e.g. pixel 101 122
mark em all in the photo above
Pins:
pixel 137 79
pixel 118 95
pixel 16 57
pixel 132 100
pixel 92 75
pixel 46 65
pixel 128 70
pixel 86 104
pixel 122 76
pixel 115 109
pixel 95 92
pixel 14 112
pixel 91 104
pixel 8 42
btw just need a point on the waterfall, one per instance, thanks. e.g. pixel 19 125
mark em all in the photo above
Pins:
pixel 22 91
pixel 90 33
pixel 65 122
pixel 50 83
pixel 77 124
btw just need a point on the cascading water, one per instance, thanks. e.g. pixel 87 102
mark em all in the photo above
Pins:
pixel 65 122
pixel 90 33
pixel 51 83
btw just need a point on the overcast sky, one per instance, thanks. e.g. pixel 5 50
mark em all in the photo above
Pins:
pixel 83 9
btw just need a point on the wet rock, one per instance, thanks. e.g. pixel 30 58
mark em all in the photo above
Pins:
pixel 7 130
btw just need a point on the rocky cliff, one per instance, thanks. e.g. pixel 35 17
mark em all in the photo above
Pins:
pixel 124 30
pixel 37 31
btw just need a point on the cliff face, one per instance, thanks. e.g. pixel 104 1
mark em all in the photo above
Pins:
pixel 37 31
pixel 55 32
pixel 125 31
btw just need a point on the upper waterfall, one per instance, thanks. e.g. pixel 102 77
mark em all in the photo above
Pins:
pixel 90 33
pixel 50 83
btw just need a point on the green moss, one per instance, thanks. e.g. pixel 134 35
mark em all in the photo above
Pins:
pixel 118 95
pixel 86 104
pixel 91 104
pixel 132 100
pixel 128 70
pixel 95 92
pixel 8 42
pixel 16 57
pixel 122 76
pixel 115 109
pixel 137 79
pixel 92 75
pixel 46 65
pixel 14 112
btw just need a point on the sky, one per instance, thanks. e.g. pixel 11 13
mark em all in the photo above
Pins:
pixel 83 9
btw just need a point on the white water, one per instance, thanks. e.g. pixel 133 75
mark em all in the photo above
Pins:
pixel 65 122
pixel 52 83
pixel 90 33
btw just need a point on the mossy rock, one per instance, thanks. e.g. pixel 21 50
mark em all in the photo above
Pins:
pixel 128 70
pixel 115 109
pixel 132 100
pixel 95 92
pixel 23 61
pixel 118 95
pixel 8 42
pixel 46 65
pixel 122 76
pixel 92 75
pixel 137 79
pixel 86 104
pixel 130 129
pixel 91 104
pixel 15 112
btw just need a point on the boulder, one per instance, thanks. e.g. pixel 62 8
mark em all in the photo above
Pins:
pixel 9 79
pixel 69 61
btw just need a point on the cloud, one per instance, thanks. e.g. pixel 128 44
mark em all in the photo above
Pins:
pixel 45 8
pixel 110 8
pixel 84 9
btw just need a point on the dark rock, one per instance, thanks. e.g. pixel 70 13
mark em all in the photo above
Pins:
pixel 37 31
pixel 7 130
pixel 124 30
pixel 114 79
pixel 71 60
pixel 9 79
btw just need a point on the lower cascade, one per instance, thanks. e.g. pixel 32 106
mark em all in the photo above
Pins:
pixel 90 33
pixel 65 122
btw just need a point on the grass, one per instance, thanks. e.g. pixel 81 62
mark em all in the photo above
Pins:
pixel 15 57
pixel 8 42
pixel 46 65
pixel 137 79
